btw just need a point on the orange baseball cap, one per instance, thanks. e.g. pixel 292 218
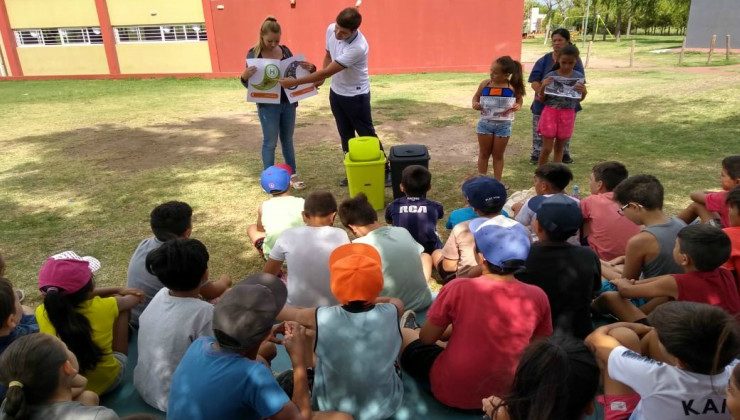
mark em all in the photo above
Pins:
pixel 356 273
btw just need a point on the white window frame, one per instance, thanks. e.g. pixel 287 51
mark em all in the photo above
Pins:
pixel 144 33
pixel 62 35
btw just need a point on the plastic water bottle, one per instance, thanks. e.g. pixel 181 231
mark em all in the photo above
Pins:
pixel 576 192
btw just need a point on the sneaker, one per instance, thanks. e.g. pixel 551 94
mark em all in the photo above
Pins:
pixel 534 160
pixel 388 181
pixel 296 183
pixel 343 182
pixel 715 222
pixel 567 159
pixel 408 320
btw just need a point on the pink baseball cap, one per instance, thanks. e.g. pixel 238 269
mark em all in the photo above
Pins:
pixel 67 271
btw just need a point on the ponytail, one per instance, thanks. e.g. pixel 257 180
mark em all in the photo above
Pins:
pixel 29 367
pixel 269 25
pixel 72 327
pixel 513 68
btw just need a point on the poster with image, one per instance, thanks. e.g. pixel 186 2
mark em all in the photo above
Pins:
pixel 263 86
pixel 564 87
pixel 493 108
pixel 291 67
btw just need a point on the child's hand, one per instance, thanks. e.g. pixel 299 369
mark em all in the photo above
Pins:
pixel 294 340
pixel 130 291
pixel 517 106
pixel 580 88
pixel 546 82
pixel 277 329
pixel 620 282
pixel 476 106
pixel 490 404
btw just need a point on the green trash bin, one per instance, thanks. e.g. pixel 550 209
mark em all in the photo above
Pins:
pixel 365 166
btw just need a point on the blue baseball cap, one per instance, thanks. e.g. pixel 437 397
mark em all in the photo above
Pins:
pixel 275 179
pixel 485 194
pixel 559 215
pixel 502 241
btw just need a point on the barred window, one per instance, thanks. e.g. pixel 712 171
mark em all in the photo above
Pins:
pixel 161 33
pixel 58 36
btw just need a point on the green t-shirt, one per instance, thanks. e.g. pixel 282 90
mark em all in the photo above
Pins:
pixel 279 214
pixel 403 275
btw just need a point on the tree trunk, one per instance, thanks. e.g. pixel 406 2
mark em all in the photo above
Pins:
pixel 596 25
pixel 669 30
pixel 629 25
pixel 606 22
pixel 619 23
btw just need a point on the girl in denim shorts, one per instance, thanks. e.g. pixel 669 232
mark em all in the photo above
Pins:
pixel 497 99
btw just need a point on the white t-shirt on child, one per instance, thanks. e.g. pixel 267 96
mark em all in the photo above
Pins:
pixel 668 392
pixel 167 327
pixel 306 250
pixel 527 214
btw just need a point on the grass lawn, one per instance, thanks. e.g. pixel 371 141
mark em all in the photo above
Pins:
pixel 84 162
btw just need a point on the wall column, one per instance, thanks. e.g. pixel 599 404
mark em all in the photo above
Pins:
pixel 109 41
pixel 14 63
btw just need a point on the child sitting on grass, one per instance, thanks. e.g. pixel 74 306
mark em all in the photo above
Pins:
pixel 733 231
pixel 280 212
pixel 650 252
pixel 406 268
pixel 463 214
pixel 487 196
pixel 364 382
pixel 16 320
pixel 170 220
pixel 569 274
pixel 557 379
pixel 41 375
pixel 700 250
pixel 415 212
pixel 687 357
pixel 549 179
pixel 606 230
pixel 174 318
pixel 710 206
pixel 226 377
pixel 306 251
pixel 92 322
pixel 489 328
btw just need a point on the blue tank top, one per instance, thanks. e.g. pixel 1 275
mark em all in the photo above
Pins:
pixel 356 366
pixel 498 91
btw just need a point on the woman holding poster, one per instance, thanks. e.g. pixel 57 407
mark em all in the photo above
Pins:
pixel 277 120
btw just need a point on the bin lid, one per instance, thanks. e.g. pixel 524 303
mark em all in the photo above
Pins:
pixel 409 151
pixel 364 149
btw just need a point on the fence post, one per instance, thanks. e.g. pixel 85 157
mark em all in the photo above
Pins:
pixel 712 43
pixel 588 52
pixel 727 46
pixel 632 53
pixel 680 55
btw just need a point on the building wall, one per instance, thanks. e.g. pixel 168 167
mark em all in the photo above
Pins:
pixel 165 57
pixel 51 13
pixel 151 12
pixel 708 17
pixel 68 60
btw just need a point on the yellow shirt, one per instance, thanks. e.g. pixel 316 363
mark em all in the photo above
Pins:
pixel 102 314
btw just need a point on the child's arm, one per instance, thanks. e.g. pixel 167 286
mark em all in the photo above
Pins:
pixel 295 343
pixel 397 302
pixel 662 286
pixel 476 97
pixel 430 333
pixel 259 219
pixel 273 266
pixel 601 342
pixel 581 88
pixel 78 384
pixel 128 298
pixel 303 316
pixel 634 255
pixel 699 197
pixel 213 289
pixel 389 214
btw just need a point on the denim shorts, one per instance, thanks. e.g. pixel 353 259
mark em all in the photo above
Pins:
pixel 494 128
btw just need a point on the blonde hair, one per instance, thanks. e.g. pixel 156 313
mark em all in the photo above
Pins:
pixel 270 24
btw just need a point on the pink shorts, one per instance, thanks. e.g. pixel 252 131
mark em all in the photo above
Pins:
pixel 618 407
pixel 557 123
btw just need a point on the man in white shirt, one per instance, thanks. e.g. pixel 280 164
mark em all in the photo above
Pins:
pixel 346 63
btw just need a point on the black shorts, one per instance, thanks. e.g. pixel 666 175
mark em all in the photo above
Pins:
pixel 417 360
pixel 444 275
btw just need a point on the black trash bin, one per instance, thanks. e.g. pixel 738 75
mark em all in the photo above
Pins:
pixel 402 156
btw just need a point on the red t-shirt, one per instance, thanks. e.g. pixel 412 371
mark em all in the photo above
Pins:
pixel 609 231
pixel 717 287
pixel 734 262
pixel 716 202
pixel 492 322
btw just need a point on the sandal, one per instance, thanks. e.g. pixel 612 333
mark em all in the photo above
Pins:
pixel 296 183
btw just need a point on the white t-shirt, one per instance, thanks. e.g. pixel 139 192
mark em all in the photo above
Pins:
pixel 527 215
pixel 306 250
pixel 668 392
pixel 354 79
pixel 167 327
